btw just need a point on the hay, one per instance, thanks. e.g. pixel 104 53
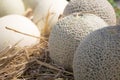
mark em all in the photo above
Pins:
pixel 30 63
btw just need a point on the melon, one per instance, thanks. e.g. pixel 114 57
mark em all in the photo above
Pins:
pixel 68 33
pixel 101 8
pixel 10 24
pixel 98 56
pixel 48 12
pixel 11 7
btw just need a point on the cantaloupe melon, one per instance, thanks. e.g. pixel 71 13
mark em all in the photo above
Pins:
pixel 11 7
pixel 68 33
pixel 98 56
pixel 101 8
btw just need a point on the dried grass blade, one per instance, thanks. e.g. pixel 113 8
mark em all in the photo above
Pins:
pixel 22 33
pixel 52 67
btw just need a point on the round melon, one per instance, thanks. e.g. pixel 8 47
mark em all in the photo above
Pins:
pixel 101 8
pixel 68 33
pixel 11 7
pixel 98 56
pixel 48 12
pixel 31 3
pixel 11 23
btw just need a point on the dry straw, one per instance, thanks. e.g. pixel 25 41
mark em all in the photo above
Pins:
pixel 31 63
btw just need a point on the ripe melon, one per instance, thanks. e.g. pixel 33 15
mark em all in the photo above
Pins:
pixel 11 7
pixel 101 8
pixel 9 37
pixel 98 56
pixel 68 33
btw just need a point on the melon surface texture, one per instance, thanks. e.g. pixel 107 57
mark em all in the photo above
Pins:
pixel 68 33
pixel 101 8
pixel 98 56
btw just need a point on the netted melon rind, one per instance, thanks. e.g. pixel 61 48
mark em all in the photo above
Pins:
pixel 101 8
pixel 67 34
pixel 98 56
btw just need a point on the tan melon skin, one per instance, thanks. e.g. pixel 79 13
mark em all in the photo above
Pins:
pixel 98 56
pixel 68 33
pixel 101 8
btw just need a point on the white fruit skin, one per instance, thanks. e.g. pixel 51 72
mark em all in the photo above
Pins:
pixel 11 7
pixel 31 3
pixel 19 23
pixel 66 35
pixel 55 7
